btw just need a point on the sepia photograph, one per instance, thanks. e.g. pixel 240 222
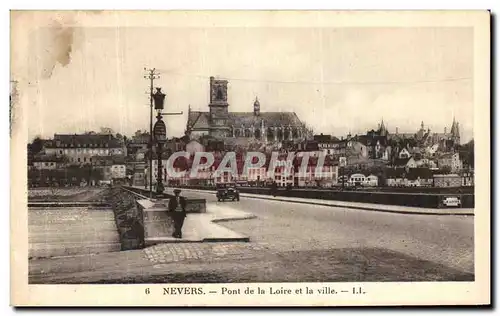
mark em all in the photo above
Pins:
pixel 215 157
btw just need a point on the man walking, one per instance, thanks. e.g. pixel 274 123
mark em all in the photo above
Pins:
pixel 177 209
pixel 274 188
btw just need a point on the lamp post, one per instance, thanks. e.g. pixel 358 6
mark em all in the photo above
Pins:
pixel 160 136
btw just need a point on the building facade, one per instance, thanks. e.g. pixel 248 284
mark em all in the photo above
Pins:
pixel 447 180
pixel 80 148
pixel 450 160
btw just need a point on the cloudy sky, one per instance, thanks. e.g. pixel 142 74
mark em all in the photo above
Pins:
pixel 337 80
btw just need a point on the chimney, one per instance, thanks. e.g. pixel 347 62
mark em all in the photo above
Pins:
pixel 397 130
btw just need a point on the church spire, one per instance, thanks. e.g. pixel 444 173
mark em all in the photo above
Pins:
pixel 256 107
pixel 455 131
pixel 382 129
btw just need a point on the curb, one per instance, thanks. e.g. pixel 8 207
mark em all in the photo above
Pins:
pixel 364 208
pixel 233 219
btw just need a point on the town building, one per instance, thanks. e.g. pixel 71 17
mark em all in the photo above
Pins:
pixel 339 148
pixel 264 126
pixel 376 142
pixel 405 163
pixel 80 148
pixel 451 161
pixel 112 167
pixel 447 180
pixel 326 143
pixel 468 179
pixel 43 161
pixel 137 144
pixel 404 154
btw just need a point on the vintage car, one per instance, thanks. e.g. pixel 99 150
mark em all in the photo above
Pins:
pixel 227 191
pixel 451 202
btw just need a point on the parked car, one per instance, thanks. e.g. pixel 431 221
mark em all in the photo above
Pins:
pixel 452 201
pixel 227 191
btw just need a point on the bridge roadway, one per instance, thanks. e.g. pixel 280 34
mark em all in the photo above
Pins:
pixel 282 226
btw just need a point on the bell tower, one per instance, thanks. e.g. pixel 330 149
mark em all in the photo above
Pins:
pixel 218 97
pixel 218 107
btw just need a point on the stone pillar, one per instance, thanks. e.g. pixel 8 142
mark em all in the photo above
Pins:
pixel 275 134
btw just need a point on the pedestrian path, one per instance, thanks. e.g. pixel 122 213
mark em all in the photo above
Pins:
pixel 203 227
pixel 355 205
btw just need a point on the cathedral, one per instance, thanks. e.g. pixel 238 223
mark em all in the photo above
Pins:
pixel 256 125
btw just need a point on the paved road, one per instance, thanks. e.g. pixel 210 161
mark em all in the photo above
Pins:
pixel 282 227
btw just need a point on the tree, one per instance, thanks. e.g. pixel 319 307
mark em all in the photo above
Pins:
pixel 466 153
pixel 106 130
pixel 36 145
pixel 445 170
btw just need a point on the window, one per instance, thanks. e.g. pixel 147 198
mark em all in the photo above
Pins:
pixel 60 151
pixel 84 159
pixel 78 159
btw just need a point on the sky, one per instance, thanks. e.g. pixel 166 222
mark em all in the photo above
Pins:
pixel 337 80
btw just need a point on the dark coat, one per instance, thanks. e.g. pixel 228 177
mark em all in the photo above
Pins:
pixel 172 204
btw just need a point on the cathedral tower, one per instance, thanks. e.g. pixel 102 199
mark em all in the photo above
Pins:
pixel 218 107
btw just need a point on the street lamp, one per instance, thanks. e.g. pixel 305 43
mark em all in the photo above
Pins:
pixel 160 137
pixel 342 164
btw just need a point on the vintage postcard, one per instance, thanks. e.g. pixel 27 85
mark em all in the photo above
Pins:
pixel 250 158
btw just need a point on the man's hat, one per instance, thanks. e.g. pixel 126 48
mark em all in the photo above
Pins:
pixel 177 191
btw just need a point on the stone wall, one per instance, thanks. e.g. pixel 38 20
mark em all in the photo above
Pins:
pixel 430 200
pixel 128 218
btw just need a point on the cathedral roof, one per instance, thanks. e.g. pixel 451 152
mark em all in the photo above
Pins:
pixel 201 120
pixel 270 119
